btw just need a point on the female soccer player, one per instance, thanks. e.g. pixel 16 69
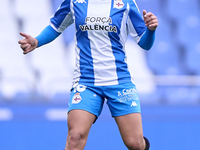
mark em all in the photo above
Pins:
pixel 101 71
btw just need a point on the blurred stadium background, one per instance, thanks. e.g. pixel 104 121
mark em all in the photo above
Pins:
pixel 34 88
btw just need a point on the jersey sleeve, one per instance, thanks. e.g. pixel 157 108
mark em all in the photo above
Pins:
pixel 62 17
pixel 135 22
pixel 147 39
pixel 47 36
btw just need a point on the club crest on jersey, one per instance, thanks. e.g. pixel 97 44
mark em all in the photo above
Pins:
pixel 76 99
pixel 118 4
pixel 80 1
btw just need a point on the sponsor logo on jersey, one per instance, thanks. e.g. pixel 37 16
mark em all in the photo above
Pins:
pixel 118 4
pixel 76 99
pixel 98 23
pixel 80 1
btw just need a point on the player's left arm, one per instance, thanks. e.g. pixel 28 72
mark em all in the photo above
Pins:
pixel 151 22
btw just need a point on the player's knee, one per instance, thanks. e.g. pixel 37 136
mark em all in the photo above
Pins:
pixel 135 144
pixel 75 138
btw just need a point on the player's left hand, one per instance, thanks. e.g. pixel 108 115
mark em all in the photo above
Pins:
pixel 150 20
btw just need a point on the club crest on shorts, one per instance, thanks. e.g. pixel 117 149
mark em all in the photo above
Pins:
pixel 118 4
pixel 76 99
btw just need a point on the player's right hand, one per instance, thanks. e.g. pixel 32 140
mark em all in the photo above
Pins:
pixel 28 44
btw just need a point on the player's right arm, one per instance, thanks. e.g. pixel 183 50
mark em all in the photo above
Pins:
pixel 58 23
pixel 28 44
pixel 46 36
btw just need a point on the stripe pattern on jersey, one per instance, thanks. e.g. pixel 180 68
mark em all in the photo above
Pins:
pixel 103 64
pixel 102 28
pixel 83 44
pixel 118 47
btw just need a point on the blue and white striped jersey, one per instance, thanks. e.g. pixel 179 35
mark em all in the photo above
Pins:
pixel 102 27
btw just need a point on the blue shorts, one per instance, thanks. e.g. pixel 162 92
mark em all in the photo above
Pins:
pixel 121 99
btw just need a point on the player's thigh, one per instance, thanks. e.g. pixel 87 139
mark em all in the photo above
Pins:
pixel 130 127
pixel 80 122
